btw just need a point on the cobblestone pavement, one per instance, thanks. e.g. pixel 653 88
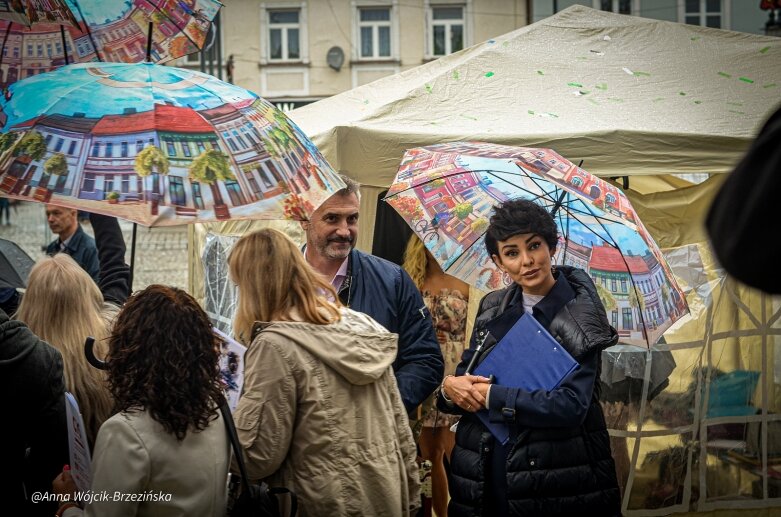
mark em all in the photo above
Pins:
pixel 161 253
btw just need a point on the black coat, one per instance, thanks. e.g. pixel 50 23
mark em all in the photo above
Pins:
pixel 549 470
pixel 34 436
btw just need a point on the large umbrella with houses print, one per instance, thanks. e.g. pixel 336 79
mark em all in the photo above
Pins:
pixel 446 193
pixel 156 145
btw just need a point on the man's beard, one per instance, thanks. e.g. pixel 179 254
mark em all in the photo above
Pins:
pixel 333 254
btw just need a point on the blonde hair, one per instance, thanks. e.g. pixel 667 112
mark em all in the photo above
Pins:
pixel 275 283
pixel 63 306
pixel 415 261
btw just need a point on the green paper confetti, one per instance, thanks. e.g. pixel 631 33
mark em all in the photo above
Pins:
pixel 540 72
pixel 639 74
pixel 576 85
pixel 735 103
pixel 429 88
pixel 584 92
pixel 506 44
pixel 682 94
pixel 615 99
pixel 735 111
pixel 467 116
pixel 530 112
pixel 366 101
pixel 489 74
pixel 770 85
pixel 592 101
pixel 695 38
pixel 725 75
pixel 746 80
pixel 601 86
pixel 764 50
pixel 658 99
pixel 582 58
pixel 697 102
pixel 456 75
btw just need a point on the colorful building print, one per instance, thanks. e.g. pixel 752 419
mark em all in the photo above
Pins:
pixel 193 149
pixel 457 185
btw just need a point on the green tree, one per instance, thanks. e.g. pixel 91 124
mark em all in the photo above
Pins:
pixel 636 302
pixel 57 165
pixel 479 226
pixel 33 145
pixel 608 300
pixel 151 160
pixel 462 210
pixel 7 140
pixel 210 167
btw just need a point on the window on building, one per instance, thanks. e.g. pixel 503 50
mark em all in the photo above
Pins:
pixel 48 140
pixel 29 50
pixel 264 177
pixel 72 148
pixel 139 146
pixel 447 30
pixel 95 150
pixel 124 149
pixel 201 147
pixel 176 190
pixel 623 285
pixel 626 318
pixel 58 145
pixel 16 52
pixel 613 285
pixel 708 13
pixel 284 35
pixel 197 198
pixel 615 319
pixel 126 183
pixel 615 6
pixel 109 150
pixel 186 148
pixel 89 182
pixel 374 26
pixel 253 184
pixel 48 50
pixel 170 148
pixel 58 48
pixel 39 50
pixel 108 183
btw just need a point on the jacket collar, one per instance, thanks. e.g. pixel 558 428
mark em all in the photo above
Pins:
pixel 75 241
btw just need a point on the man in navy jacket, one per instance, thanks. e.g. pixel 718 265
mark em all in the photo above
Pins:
pixel 378 288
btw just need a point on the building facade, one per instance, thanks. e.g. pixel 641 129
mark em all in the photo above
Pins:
pixel 293 52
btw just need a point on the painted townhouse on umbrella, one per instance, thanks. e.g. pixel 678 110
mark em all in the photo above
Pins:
pixel 29 51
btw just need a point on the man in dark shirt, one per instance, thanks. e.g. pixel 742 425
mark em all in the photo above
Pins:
pixel 71 239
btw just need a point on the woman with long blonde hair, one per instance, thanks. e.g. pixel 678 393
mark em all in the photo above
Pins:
pixel 447 299
pixel 320 412
pixel 63 306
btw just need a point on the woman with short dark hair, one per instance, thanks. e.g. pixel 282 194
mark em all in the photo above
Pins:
pixel 558 459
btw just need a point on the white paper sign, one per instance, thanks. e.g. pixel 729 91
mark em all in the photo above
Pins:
pixel 80 462
pixel 231 368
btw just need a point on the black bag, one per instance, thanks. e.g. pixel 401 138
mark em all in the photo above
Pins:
pixel 255 500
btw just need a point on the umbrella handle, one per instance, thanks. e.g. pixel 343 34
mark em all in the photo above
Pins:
pixel 89 344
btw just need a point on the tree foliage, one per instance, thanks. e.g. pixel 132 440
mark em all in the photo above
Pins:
pixel 7 140
pixel 33 145
pixel 462 210
pixel 57 164
pixel 211 166
pixel 608 300
pixel 151 160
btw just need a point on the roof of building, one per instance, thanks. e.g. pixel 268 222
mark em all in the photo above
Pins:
pixel 69 123
pixel 608 258
pixel 171 119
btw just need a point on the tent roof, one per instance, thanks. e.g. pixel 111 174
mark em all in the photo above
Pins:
pixel 627 95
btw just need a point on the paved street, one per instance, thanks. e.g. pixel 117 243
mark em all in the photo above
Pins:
pixel 161 253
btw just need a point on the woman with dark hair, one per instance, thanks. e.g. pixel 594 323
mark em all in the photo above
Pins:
pixel 167 441
pixel 557 460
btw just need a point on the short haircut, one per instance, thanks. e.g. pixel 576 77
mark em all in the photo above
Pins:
pixel 516 217
pixel 350 187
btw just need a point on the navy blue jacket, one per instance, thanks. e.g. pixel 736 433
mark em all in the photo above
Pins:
pixel 82 249
pixel 385 292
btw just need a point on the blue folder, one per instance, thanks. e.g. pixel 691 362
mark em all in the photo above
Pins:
pixel 527 357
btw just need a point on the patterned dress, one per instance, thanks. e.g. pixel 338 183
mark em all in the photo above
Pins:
pixel 448 311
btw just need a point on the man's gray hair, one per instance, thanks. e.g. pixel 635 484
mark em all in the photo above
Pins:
pixel 350 187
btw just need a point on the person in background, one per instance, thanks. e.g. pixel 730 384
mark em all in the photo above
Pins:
pixel 375 287
pixel 320 411
pixel 64 306
pixel 167 437
pixel 71 239
pixel 34 434
pixel 558 459
pixel 447 299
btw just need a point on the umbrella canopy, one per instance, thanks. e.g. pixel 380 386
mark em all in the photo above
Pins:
pixel 33 11
pixel 446 193
pixel 15 265
pixel 157 145
pixel 116 31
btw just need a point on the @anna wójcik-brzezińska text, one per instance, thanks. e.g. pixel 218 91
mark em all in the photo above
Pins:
pixel 89 497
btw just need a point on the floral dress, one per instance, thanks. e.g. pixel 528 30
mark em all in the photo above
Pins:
pixel 448 311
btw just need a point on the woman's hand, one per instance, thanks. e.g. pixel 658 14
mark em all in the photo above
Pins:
pixel 64 484
pixel 467 391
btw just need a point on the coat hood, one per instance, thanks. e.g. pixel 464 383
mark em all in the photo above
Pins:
pixel 357 347
pixel 18 342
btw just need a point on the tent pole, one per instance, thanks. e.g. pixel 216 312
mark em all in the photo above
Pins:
pixel 149 44
pixel 64 46
pixel 132 256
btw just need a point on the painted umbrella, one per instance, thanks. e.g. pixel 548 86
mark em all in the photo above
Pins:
pixel 156 145
pixel 446 193
pixel 79 31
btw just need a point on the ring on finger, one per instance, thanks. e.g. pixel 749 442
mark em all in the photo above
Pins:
pixel 469 406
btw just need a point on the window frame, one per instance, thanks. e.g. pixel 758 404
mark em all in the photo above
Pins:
pixel 634 7
pixel 725 13
pixel 430 6
pixel 265 33
pixel 392 23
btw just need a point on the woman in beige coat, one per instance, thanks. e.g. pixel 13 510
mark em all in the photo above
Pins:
pixel 320 411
